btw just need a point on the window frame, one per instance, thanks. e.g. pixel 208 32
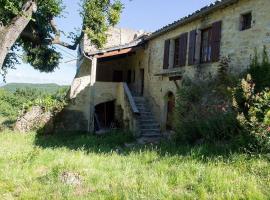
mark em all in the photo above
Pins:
pixel 243 21
pixel 209 45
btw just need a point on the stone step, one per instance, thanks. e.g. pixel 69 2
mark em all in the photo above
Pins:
pixel 146 113
pixel 149 126
pixel 149 122
pixel 145 110
pixel 144 130
pixel 151 135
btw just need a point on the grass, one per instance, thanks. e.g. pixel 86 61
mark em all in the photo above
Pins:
pixel 31 167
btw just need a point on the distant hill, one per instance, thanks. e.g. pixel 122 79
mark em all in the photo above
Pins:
pixel 51 88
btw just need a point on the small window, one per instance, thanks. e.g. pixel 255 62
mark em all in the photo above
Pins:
pixel 176 52
pixel 206 48
pixel 246 20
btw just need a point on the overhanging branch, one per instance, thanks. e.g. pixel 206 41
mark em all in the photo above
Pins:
pixel 57 39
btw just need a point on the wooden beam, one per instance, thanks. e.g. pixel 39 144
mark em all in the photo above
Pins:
pixel 117 52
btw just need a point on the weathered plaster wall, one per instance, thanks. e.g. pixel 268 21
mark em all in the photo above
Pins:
pixel 116 37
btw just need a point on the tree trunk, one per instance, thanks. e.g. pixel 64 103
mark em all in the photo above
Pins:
pixel 10 33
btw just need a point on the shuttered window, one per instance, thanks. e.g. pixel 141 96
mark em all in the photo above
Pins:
pixel 210 43
pixel 176 52
pixel 166 54
pixel 180 50
pixel 192 47
pixel 206 47
pixel 215 42
pixel 183 49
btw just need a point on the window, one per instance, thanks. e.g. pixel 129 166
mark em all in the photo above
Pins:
pixel 176 52
pixel 206 48
pixel 245 21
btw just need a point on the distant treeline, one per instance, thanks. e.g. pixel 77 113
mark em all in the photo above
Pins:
pixel 48 88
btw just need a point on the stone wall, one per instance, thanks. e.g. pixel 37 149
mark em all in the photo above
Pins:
pixel 116 37
pixel 239 45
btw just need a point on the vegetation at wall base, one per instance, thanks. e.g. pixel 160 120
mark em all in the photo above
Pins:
pixel 226 109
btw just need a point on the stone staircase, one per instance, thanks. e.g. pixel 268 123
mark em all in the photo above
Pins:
pixel 150 129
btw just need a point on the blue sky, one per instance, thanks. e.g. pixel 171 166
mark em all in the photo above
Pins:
pixel 148 15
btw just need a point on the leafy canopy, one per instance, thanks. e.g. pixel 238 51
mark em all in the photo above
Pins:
pixel 41 34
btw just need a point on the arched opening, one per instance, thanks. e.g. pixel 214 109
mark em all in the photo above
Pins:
pixel 104 115
pixel 170 110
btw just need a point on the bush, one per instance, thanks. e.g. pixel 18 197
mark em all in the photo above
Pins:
pixel 251 101
pixel 203 112
pixel 14 104
pixel 253 114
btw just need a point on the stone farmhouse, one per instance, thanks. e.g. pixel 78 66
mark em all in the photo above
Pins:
pixel 132 82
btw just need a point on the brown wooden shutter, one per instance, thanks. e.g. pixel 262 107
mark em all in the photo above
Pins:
pixel 166 54
pixel 215 42
pixel 183 49
pixel 192 47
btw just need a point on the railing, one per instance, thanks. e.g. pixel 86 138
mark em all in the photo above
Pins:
pixel 131 101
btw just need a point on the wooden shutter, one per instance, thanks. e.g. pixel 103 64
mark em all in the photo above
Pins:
pixel 183 49
pixel 166 54
pixel 215 41
pixel 192 47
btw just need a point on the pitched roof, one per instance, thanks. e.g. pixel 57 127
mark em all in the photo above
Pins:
pixel 197 14
pixel 148 36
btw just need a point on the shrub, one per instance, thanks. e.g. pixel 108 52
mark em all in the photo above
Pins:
pixel 251 101
pixel 14 104
pixel 253 114
pixel 260 71
pixel 203 108
pixel 203 111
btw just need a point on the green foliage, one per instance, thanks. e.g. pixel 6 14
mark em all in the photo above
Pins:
pixel 43 58
pixel 98 16
pixel 43 88
pixel 260 71
pixel 251 101
pixel 49 102
pixel 253 114
pixel 203 108
pixel 109 170
pixel 14 104
pixel 203 113
pixel 10 104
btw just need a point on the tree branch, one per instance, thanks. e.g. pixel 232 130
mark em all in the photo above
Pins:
pixel 57 39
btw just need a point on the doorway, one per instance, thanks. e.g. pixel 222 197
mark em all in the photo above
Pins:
pixel 104 115
pixel 170 110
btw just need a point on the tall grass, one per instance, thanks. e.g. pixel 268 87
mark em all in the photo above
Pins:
pixel 31 167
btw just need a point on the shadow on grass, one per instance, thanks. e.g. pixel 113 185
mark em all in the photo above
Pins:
pixel 115 142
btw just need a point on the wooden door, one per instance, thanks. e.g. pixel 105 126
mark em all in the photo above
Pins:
pixel 170 110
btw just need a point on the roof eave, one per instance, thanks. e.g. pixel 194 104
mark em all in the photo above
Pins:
pixel 196 15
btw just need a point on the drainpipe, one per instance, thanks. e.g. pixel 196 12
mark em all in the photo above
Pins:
pixel 91 106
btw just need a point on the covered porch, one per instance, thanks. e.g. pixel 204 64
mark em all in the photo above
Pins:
pixel 119 77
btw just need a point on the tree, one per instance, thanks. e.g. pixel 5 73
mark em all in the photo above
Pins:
pixel 29 25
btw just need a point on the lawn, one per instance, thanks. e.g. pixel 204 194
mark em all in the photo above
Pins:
pixel 35 167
